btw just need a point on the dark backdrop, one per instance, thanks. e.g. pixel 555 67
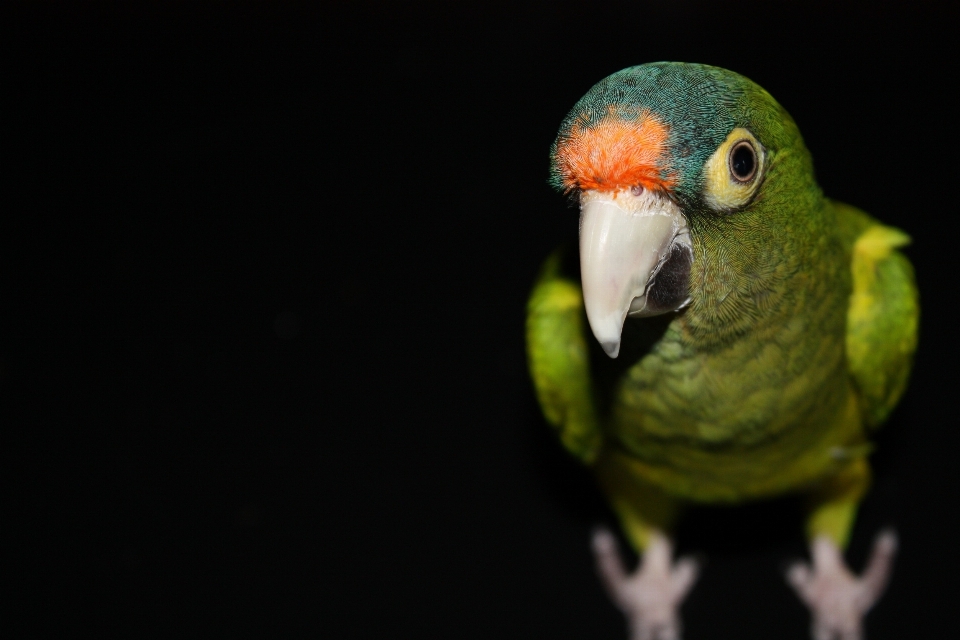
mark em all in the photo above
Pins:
pixel 262 361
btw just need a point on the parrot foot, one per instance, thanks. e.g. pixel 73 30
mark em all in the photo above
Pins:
pixel 650 597
pixel 837 599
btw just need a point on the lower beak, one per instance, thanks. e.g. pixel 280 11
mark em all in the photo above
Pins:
pixel 625 239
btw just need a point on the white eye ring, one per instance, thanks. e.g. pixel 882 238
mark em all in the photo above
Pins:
pixel 732 175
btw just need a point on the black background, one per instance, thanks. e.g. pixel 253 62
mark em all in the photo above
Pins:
pixel 265 270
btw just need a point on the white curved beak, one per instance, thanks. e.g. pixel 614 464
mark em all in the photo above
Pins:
pixel 624 240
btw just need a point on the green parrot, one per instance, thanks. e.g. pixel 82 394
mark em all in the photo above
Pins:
pixel 755 332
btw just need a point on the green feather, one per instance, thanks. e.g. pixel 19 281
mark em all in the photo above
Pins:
pixel 883 316
pixel 557 345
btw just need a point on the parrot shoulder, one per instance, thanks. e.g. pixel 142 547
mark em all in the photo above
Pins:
pixel 883 314
pixel 559 359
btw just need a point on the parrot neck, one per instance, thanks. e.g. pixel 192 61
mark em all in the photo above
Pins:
pixel 753 275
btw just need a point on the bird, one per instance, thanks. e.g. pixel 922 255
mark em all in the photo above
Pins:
pixel 749 334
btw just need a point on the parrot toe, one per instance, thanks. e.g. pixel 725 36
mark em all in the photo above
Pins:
pixel 838 600
pixel 650 597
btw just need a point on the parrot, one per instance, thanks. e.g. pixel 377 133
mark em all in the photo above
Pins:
pixel 749 334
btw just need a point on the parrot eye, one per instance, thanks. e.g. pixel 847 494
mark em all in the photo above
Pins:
pixel 743 162
pixel 733 174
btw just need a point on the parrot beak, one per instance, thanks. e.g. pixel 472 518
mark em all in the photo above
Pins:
pixel 626 237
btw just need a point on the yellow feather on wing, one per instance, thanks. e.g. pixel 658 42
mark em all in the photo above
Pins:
pixel 883 316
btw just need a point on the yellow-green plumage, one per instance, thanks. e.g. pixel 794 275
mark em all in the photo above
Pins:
pixel 797 340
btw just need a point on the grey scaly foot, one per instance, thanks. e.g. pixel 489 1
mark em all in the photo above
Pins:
pixel 837 599
pixel 650 597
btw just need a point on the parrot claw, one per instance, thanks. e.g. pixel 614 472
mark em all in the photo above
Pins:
pixel 650 597
pixel 837 599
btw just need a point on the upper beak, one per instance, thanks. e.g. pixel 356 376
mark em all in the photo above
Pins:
pixel 624 241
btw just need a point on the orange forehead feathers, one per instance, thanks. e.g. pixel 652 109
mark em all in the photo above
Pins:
pixel 614 153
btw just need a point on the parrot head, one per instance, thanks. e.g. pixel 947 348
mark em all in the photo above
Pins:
pixel 675 165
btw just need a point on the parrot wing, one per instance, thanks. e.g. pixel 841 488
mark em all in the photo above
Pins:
pixel 883 315
pixel 559 359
